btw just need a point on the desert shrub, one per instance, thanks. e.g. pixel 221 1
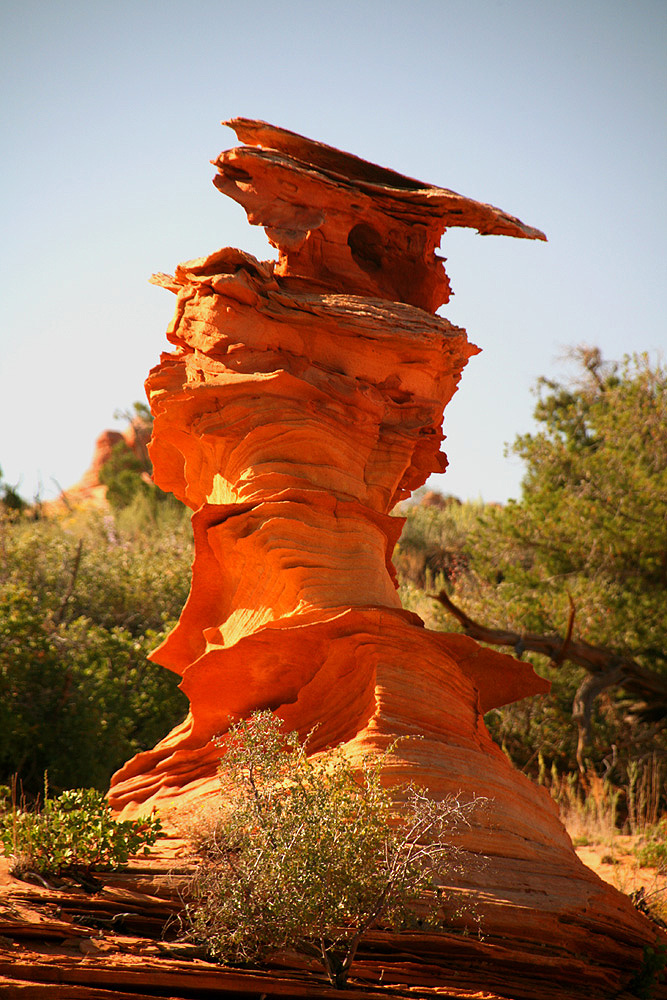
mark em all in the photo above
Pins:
pixel 119 570
pixel 83 601
pixel 651 852
pixel 431 550
pixel 76 698
pixel 84 598
pixel 309 854
pixel 72 834
pixel 588 533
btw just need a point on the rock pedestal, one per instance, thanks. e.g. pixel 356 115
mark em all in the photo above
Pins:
pixel 302 400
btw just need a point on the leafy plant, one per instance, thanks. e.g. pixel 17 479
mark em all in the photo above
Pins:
pixel 310 854
pixel 652 851
pixel 588 535
pixel 73 834
pixel 83 601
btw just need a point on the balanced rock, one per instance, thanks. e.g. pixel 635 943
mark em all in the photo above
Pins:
pixel 301 400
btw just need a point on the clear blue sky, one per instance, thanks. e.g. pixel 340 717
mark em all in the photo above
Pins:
pixel 553 110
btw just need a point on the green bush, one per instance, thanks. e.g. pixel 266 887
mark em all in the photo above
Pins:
pixel 309 854
pixel 83 601
pixel 588 533
pixel 652 852
pixel 73 834
pixel 84 598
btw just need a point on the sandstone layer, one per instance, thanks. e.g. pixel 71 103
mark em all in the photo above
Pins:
pixel 302 399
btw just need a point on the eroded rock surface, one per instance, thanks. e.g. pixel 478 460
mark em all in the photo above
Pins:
pixel 300 401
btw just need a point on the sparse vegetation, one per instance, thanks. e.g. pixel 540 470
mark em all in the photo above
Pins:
pixel 310 854
pixel 71 834
pixel 651 852
pixel 84 598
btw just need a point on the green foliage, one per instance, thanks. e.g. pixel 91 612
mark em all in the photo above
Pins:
pixel 309 854
pixel 83 600
pixel 121 474
pixel 652 851
pixel 431 550
pixel 591 527
pixel 73 834
pixel 127 473
pixel 430 553
pixel 591 523
pixel 10 499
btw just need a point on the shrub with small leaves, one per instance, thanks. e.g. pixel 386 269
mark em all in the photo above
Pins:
pixel 651 852
pixel 72 834
pixel 310 853
pixel 83 601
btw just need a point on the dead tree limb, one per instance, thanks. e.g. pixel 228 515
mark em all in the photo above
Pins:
pixel 606 667
pixel 562 652
pixel 582 705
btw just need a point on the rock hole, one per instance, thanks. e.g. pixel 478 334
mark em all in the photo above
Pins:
pixel 366 246
pixel 235 173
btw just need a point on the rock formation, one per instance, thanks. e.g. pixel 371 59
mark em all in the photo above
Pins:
pixel 90 490
pixel 302 399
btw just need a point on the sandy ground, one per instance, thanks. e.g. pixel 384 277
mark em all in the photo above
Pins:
pixel 614 861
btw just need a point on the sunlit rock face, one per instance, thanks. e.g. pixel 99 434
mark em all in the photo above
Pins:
pixel 302 399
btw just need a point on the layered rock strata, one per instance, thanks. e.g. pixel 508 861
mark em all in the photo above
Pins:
pixel 302 400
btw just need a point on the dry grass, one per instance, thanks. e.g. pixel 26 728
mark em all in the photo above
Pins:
pixel 590 807
pixel 647 787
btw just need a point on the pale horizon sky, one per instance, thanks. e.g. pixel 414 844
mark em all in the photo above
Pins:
pixel 553 111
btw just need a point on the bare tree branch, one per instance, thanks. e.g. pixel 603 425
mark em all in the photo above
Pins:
pixel 606 667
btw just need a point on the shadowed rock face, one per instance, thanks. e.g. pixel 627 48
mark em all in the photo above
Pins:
pixel 301 401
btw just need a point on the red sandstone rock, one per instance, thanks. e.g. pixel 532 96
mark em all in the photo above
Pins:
pixel 301 401
pixel 89 490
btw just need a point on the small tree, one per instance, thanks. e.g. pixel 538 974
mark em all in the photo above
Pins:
pixel 580 563
pixel 310 854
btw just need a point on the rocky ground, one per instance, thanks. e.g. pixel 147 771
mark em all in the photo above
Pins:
pixel 119 938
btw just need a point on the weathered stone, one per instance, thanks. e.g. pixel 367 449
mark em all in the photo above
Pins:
pixel 301 401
